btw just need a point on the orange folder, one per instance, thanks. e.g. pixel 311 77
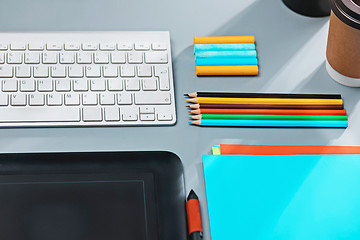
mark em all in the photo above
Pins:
pixel 239 149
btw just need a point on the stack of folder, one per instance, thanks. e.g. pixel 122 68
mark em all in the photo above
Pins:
pixel 283 192
pixel 267 110
pixel 232 55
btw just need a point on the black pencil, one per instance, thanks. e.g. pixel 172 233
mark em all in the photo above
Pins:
pixel 263 95
pixel 265 106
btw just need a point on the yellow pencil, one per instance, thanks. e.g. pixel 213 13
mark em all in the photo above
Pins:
pixel 277 101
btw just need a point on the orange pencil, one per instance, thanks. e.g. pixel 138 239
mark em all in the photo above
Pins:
pixel 268 111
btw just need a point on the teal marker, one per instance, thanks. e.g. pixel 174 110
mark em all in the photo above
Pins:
pixel 225 61
pixel 226 54
pixel 224 47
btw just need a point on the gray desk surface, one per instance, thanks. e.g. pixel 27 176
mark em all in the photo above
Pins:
pixel 291 52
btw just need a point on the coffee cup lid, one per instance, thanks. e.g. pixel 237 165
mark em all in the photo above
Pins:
pixel 348 11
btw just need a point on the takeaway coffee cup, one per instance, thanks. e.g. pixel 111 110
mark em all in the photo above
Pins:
pixel 343 47
pixel 311 8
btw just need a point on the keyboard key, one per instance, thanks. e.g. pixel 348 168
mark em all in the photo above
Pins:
pixel 142 46
pixel 129 114
pixel 50 58
pixel 6 72
pixel 56 46
pixel 118 57
pixel 3 46
pixel 41 71
pixel 32 57
pixel 156 57
pixel 67 57
pixel 27 85
pixel 149 84
pixel 92 71
pixel 14 57
pixel 36 46
pixel 3 99
pixel 58 71
pixel 97 85
pixel 51 114
pixel 101 57
pixel 107 98
pixel 132 84
pixel 124 46
pixel 18 99
pixel 80 85
pixel 2 57
pixel 18 46
pixel 144 109
pixel 112 114
pixel 84 57
pixel 92 114
pixel 9 85
pixel 72 99
pixel 110 71
pixel 107 46
pixel 54 99
pixel 90 98
pixel 124 98
pixel 72 46
pixel 162 72
pixel 164 117
pixel 149 98
pixel 144 71
pixel 115 84
pixel 76 71
pixel 23 71
pixel 62 85
pixel 147 117
pixel 135 57
pixel 45 85
pixel 127 71
pixel 159 46
pixel 36 100
pixel 89 46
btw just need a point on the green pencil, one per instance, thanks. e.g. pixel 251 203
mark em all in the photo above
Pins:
pixel 267 117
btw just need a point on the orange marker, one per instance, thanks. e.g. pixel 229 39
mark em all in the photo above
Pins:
pixel 194 216
pixel 227 70
pixel 224 39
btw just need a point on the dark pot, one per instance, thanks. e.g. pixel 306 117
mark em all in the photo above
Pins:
pixel 311 8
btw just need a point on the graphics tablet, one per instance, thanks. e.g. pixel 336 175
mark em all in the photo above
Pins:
pixel 92 196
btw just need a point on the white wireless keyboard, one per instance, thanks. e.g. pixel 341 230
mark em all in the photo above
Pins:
pixel 86 79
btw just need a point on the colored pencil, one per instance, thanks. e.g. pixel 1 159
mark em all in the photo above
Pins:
pixel 269 123
pixel 270 112
pixel 262 95
pixel 226 54
pixel 288 101
pixel 225 61
pixel 264 106
pixel 267 117
pixel 228 70
pixel 223 47
pixel 224 39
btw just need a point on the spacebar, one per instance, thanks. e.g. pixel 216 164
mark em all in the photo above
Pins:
pixel 41 114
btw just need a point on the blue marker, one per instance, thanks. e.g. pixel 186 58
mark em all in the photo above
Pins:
pixel 225 61
pixel 226 54
pixel 223 47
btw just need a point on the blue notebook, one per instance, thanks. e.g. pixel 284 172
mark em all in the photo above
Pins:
pixel 300 197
